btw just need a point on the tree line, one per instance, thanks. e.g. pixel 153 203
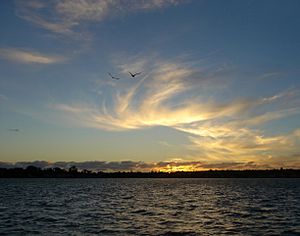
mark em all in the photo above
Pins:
pixel 73 172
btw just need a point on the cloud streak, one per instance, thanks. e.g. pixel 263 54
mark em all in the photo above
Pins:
pixel 66 16
pixel 29 56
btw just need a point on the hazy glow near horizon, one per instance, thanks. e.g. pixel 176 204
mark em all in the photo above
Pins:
pixel 219 84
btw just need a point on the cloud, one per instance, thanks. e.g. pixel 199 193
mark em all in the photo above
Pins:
pixel 66 16
pixel 270 75
pixel 174 94
pixel 29 56
pixel 90 165
pixel 70 108
pixel 165 143
pixel 143 166
pixel 238 166
pixel 165 96
pixel 245 145
pixel 6 165
pixel 149 102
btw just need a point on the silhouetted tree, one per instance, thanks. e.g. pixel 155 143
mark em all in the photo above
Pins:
pixel 73 169
pixel 33 172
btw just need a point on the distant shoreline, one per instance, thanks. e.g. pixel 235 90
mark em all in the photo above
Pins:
pixel 34 172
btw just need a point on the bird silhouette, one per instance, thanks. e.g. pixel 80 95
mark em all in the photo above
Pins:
pixel 14 130
pixel 113 77
pixel 134 74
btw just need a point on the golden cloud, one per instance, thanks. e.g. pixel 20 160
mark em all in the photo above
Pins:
pixel 218 131
pixel 29 56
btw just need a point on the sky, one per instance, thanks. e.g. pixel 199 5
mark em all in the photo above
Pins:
pixel 219 86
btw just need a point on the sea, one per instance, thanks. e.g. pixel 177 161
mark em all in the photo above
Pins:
pixel 149 206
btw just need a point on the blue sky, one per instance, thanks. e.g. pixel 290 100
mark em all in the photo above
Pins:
pixel 219 83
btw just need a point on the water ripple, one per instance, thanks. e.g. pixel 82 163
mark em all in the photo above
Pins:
pixel 150 206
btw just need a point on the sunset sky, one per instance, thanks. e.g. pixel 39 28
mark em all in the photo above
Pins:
pixel 219 88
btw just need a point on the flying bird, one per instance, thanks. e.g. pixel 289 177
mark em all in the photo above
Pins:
pixel 14 130
pixel 134 74
pixel 113 77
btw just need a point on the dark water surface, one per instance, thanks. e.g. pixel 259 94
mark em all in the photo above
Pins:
pixel 150 206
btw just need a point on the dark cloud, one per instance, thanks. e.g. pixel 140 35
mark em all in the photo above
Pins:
pixel 90 165
pixel 39 164
pixel 6 165
pixel 136 165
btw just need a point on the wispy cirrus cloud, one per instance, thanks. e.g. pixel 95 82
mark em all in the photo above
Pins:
pixel 29 56
pixel 66 16
pixel 270 75
pixel 245 145
pixel 174 95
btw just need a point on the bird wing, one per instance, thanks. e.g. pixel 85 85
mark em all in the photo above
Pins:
pixel 131 74
pixel 137 73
